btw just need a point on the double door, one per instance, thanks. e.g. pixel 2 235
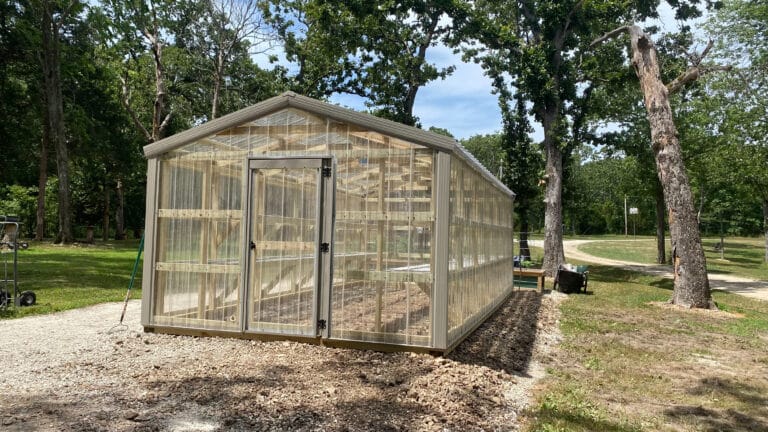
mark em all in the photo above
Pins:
pixel 289 237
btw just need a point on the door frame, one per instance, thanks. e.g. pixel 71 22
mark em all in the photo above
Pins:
pixel 325 217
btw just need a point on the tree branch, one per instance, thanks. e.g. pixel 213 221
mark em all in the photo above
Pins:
pixel 610 35
pixel 166 122
pixel 126 100
pixel 690 75
pixel 694 72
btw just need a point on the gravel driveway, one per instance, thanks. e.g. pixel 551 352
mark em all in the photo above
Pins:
pixel 68 372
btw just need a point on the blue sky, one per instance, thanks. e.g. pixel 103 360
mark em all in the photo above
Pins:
pixel 462 103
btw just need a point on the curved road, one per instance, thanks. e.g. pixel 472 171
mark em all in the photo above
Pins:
pixel 717 281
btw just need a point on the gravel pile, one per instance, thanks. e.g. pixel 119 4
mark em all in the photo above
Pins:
pixel 69 372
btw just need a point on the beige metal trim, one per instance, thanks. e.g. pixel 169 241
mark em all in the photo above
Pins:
pixel 440 251
pixel 147 281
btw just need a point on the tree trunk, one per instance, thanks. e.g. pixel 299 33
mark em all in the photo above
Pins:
pixel 51 63
pixel 218 76
pixel 691 285
pixel 120 212
pixel 105 215
pixel 765 225
pixel 525 250
pixel 661 254
pixel 42 179
pixel 553 197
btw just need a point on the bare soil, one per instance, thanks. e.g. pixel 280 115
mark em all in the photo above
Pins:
pixel 71 372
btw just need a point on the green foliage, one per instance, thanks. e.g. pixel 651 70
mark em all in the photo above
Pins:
pixel 488 150
pixel 19 201
pixel 371 49
pixel 597 187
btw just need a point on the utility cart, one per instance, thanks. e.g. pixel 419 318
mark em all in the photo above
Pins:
pixel 9 259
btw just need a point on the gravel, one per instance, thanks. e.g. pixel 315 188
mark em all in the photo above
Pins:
pixel 72 371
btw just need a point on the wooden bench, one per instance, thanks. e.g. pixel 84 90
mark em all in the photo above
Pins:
pixel 525 277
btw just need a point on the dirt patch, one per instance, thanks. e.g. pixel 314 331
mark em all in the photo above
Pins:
pixel 711 313
pixel 68 373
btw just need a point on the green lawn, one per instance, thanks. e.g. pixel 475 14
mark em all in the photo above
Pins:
pixel 627 364
pixel 69 277
pixel 741 257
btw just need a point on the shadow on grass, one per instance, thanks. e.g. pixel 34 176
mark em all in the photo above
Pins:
pixel 575 420
pixel 666 284
pixel 610 274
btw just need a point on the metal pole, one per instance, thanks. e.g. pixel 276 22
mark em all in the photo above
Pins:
pixel 626 231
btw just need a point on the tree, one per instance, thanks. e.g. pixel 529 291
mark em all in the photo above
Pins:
pixel 691 285
pixel 25 155
pixel 134 28
pixel 488 150
pixel 53 18
pixel 741 27
pixel 371 49
pixel 219 33
pixel 532 49
pixel 540 50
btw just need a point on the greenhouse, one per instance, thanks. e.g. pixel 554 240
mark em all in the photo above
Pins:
pixel 297 219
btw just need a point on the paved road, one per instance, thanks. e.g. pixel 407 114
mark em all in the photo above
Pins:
pixel 739 285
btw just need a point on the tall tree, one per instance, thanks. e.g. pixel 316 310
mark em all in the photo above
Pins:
pixel 133 29
pixel 22 95
pixel 523 162
pixel 219 32
pixel 537 49
pixel 533 49
pixel 53 17
pixel 691 285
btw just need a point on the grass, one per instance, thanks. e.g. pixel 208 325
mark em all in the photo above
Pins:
pixel 629 364
pixel 70 277
pixel 742 256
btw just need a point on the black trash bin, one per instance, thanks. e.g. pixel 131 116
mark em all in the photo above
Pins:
pixel 571 281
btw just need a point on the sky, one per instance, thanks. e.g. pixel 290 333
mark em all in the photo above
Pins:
pixel 462 103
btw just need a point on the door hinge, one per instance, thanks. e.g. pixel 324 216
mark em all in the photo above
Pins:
pixel 321 324
pixel 327 171
pixel 325 247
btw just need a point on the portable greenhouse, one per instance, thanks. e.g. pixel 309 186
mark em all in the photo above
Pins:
pixel 298 219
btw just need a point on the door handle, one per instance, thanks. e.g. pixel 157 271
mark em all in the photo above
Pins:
pixel 252 245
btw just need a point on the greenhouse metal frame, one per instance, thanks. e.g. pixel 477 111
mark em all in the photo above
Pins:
pixel 298 219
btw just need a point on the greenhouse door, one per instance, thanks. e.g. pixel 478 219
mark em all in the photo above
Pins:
pixel 289 241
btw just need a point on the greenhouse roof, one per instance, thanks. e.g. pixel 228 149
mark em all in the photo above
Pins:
pixel 340 114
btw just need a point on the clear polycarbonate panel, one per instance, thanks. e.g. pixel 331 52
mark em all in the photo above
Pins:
pixel 382 249
pixel 283 269
pixel 480 253
pixel 198 242
pixel 383 270
pixel 384 220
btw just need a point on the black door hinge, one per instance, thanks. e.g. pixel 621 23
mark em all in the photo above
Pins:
pixel 327 171
pixel 325 247
pixel 321 324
